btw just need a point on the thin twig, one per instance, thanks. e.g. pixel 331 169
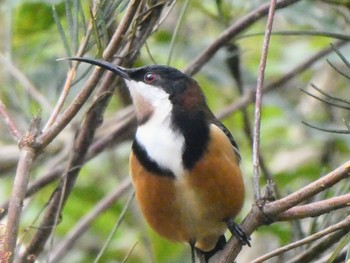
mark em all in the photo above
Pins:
pixel 258 101
pixel 70 74
pixel 25 82
pixel 236 28
pixel 347 131
pixel 61 99
pixel 279 83
pixel 318 247
pixel 234 65
pixel 281 205
pixel 338 70
pixel 81 144
pixel 316 208
pixel 341 56
pixel 122 130
pixel 129 252
pixel 115 228
pixel 11 124
pixel 265 213
pixel 329 102
pixel 330 96
pixel 26 159
pixel 178 24
pixel 345 223
pixel 84 223
pixel 301 33
pixel 82 97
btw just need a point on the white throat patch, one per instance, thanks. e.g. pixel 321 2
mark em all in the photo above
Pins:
pixel 150 94
pixel 162 144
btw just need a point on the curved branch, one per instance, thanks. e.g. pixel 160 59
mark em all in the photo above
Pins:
pixel 26 159
pixel 316 208
pixel 319 246
pixel 82 97
pixel 82 142
pixel 235 29
pixel 249 96
pixel 281 205
pixel 79 229
pixel 11 124
pixel 265 213
pixel 123 127
pixel 344 224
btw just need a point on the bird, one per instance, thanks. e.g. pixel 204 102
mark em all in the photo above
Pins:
pixel 184 163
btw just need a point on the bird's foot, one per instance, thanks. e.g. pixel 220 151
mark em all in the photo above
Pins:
pixel 238 232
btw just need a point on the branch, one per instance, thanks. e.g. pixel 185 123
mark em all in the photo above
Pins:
pixel 123 127
pixel 327 181
pixel 115 227
pixel 82 97
pixel 233 62
pixel 25 82
pixel 58 199
pixel 265 213
pixel 249 96
pixel 75 233
pixel 235 29
pixel 83 140
pixel 11 124
pixel 344 224
pixel 319 247
pixel 70 75
pixel 316 208
pixel 258 101
pixel 26 159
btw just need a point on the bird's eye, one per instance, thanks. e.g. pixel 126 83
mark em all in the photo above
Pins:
pixel 150 77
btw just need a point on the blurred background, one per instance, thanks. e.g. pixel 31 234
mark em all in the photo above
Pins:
pixel 35 33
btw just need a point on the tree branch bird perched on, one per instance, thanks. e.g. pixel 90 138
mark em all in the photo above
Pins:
pixel 184 163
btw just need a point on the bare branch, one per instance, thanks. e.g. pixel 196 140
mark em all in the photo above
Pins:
pixel 236 28
pixel 25 82
pixel 26 159
pixel 115 227
pixel 11 124
pixel 347 131
pixel 319 246
pixel 62 98
pixel 303 33
pixel 249 97
pixel 265 213
pixel 75 233
pixel 281 205
pixel 316 208
pixel 233 62
pixel 329 102
pixel 70 75
pixel 344 224
pixel 83 140
pixel 123 127
pixel 82 97
pixel 258 101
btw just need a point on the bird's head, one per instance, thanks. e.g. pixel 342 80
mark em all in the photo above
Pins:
pixel 156 88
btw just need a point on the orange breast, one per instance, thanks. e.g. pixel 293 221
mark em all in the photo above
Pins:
pixel 193 206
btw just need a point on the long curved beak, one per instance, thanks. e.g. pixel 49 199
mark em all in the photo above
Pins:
pixel 103 64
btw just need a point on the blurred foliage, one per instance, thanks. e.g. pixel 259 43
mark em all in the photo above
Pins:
pixel 293 152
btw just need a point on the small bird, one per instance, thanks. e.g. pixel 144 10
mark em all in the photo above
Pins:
pixel 184 163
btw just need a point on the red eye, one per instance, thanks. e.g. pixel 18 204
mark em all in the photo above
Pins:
pixel 150 77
